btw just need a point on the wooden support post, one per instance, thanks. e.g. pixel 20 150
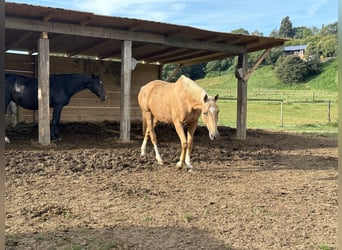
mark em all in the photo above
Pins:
pixel 2 122
pixel 125 106
pixel 258 62
pixel 339 179
pixel 43 90
pixel 241 112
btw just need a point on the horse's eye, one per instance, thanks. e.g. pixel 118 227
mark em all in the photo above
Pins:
pixel 205 113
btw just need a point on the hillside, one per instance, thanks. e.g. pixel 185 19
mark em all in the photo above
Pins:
pixel 265 78
pixel 309 106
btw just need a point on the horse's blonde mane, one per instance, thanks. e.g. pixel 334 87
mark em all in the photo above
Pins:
pixel 194 89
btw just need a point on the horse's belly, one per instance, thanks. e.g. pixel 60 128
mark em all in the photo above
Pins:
pixel 27 104
pixel 162 118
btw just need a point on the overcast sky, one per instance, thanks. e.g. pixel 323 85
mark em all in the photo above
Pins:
pixel 218 15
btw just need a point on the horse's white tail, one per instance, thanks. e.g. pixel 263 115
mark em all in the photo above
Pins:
pixel 11 115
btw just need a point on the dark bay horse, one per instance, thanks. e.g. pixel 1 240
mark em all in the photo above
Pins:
pixel 24 92
pixel 180 103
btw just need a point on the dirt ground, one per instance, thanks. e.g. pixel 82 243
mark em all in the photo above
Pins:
pixel 90 191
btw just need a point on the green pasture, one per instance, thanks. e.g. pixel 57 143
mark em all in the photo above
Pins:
pixel 302 107
pixel 295 117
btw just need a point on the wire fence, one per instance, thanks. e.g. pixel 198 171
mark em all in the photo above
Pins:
pixel 281 113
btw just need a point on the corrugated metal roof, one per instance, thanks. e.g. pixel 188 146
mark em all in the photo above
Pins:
pixel 75 33
pixel 295 48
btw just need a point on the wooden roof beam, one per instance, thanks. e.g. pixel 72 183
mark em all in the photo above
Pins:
pixel 19 40
pixel 151 57
pixel 201 58
pixel 185 56
pixel 98 43
pixel 108 33
pixel 48 16
pixel 117 53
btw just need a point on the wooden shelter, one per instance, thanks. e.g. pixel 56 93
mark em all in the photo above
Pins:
pixel 64 41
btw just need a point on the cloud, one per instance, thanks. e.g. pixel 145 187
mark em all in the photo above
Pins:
pixel 314 7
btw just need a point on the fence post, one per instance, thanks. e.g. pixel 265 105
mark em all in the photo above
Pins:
pixel 282 114
pixel 329 111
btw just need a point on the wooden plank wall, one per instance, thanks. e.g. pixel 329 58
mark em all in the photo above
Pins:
pixel 86 106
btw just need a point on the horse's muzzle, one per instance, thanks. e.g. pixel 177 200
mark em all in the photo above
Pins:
pixel 213 136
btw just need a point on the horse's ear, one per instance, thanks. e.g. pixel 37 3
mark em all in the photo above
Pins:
pixel 216 97
pixel 205 99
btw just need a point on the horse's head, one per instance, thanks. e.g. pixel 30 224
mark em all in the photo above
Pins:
pixel 95 85
pixel 210 115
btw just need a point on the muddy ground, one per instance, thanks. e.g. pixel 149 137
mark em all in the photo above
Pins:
pixel 90 191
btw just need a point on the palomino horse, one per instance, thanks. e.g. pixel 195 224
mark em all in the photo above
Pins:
pixel 24 92
pixel 180 103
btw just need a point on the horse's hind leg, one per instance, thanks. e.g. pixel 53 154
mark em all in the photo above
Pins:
pixel 146 134
pixel 150 132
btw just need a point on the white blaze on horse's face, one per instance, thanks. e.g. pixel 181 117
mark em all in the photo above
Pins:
pixel 210 115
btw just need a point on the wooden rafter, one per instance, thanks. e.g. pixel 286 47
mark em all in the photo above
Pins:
pixel 19 40
pixel 98 43
pixel 255 66
pixel 108 33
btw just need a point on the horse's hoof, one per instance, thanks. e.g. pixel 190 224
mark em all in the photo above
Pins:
pixel 179 165
pixel 189 167
pixel 190 170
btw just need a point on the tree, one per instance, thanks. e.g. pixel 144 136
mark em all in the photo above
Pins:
pixel 291 69
pixel 274 33
pixel 328 46
pixel 302 32
pixel 168 70
pixel 216 67
pixel 330 29
pixel 311 50
pixel 195 71
pixel 240 31
pixel 257 33
pixel 286 29
pixel 273 56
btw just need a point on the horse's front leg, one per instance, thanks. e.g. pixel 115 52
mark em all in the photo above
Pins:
pixel 180 131
pixel 56 116
pixel 190 140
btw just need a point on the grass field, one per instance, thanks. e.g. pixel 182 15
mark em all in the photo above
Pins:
pixel 302 107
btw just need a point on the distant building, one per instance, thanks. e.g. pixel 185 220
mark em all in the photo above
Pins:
pixel 298 50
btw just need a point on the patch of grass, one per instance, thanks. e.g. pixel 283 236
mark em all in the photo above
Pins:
pixel 39 238
pixel 304 107
pixel 187 218
pixel 147 218
pixel 325 247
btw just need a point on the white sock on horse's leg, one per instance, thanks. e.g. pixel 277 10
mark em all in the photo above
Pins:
pixel 187 161
pixel 143 147
pixel 158 157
